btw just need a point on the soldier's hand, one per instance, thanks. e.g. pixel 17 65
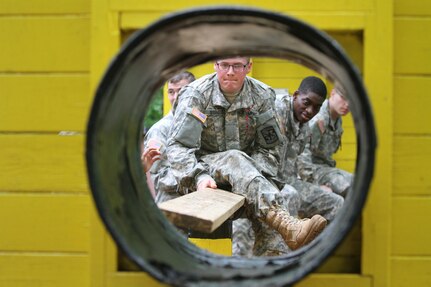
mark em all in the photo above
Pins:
pixel 207 182
pixel 149 156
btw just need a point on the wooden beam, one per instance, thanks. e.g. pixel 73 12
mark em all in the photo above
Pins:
pixel 203 210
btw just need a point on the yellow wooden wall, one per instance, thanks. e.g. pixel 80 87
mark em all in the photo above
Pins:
pixel 44 89
pixel 52 54
pixel 411 192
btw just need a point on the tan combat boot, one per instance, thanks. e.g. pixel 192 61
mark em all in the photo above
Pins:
pixel 295 232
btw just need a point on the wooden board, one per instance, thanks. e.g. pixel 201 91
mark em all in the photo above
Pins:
pixel 203 210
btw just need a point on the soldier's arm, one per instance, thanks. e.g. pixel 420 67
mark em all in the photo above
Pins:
pixel 268 137
pixel 185 140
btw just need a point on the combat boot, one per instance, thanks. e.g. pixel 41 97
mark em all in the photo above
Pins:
pixel 295 232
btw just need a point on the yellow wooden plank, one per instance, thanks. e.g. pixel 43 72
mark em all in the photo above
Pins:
pixel 378 78
pixel 42 163
pixel 44 102
pixel 347 165
pixel 412 8
pixel 412 156
pixel 44 269
pixel 347 151
pixel 132 279
pixel 264 68
pixel 137 20
pixel 105 42
pixel 45 44
pixel 44 222
pixel 307 5
pixel 410 271
pixel 335 280
pixel 217 246
pixel 410 105
pixel 411 46
pixel 352 43
pixel 410 221
pixel 44 6
pixel 345 20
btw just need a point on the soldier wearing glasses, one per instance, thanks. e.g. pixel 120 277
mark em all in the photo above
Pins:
pixel 224 135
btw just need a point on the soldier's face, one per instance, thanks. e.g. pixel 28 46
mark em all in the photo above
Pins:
pixel 306 105
pixel 338 103
pixel 231 73
pixel 174 89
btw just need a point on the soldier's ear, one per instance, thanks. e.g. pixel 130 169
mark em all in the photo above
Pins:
pixel 248 69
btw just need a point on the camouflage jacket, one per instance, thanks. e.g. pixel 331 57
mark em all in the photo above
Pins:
pixel 325 141
pixel 295 135
pixel 205 123
pixel 160 171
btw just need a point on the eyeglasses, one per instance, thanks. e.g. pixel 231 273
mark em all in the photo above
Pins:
pixel 236 67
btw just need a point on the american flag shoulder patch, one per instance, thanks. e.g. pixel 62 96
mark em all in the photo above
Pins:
pixel 154 143
pixel 199 115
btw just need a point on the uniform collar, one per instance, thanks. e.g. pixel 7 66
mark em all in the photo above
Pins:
pixel 242 101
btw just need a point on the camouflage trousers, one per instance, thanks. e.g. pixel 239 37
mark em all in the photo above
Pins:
pixel 315 200
pixel 337 179
pixel 303 199
pixel 237 170
pixel 266 242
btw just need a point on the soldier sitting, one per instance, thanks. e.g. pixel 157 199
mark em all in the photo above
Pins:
pixel 225 133
pixel 316 164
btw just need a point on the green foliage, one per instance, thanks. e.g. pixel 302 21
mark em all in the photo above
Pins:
pixel 155 111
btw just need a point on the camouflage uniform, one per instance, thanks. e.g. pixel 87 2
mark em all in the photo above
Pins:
pixel 316 164
pixel 313 199
pixel 232 143
pixel 165 183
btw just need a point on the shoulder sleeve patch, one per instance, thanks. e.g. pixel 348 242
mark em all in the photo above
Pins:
pixel 199 115
pixel 321 125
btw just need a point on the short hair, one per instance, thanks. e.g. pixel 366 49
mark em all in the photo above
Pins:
pixel 185 75
pixel 314 85
pixel 223 58
pixel 340 90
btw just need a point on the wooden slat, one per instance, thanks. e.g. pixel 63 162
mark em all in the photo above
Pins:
pixel 132 279
pixel 44 222
pixel 222 246
pixel 412 46
pixel 305 5
pixel 335 280
pixel 137 20
pixel 46 102
pixel 203 210
pixel 412 156
pixel 410 104
pixel 412 8
pixel 410 271
pixel 279 69
pixel 44 7
pixel 42 163
pixel 347 165
pixel 45 44
pixel 410 224
pixel 44 269
pixel 352 43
